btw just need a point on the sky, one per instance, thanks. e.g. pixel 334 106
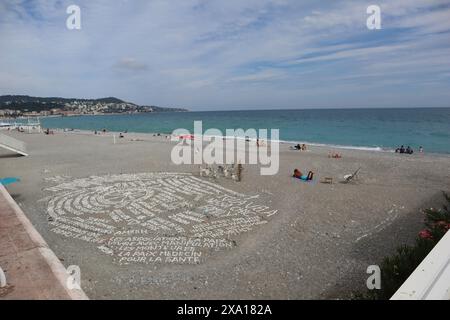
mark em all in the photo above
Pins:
pixel 230 54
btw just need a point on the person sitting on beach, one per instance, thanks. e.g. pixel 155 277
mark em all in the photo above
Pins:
pixel 297 147
pixel 402 149
pixel 298 174
pixel 303 147
pixel 121 135
pixel 421 149
pixel 409 150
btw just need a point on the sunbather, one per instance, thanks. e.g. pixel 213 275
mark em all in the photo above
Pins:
pixel 334 155
pixel 297 174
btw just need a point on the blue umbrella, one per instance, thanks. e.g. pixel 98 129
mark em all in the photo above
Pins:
pixel 9 180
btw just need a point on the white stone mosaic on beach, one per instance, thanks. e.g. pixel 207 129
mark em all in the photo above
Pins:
pixel 165 218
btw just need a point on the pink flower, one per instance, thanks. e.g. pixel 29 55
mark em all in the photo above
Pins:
pixel 425 234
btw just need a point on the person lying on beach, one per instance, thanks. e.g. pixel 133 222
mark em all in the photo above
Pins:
pixel 297 174
pixel 334 155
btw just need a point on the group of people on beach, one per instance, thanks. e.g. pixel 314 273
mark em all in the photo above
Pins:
pixel 334 155
pixel 102 131
pixel 300 147
pixel 121 134
pixel 407 150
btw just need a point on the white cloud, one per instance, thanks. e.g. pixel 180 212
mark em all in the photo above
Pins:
pixel 206 53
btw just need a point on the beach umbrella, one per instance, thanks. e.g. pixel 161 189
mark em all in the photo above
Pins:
pixel 9 180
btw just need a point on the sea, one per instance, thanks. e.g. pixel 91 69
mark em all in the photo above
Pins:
pixel 367 129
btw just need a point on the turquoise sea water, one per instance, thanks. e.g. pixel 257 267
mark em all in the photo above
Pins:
pixel 362 128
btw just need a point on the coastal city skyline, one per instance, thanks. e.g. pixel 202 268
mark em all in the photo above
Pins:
pixel 223 56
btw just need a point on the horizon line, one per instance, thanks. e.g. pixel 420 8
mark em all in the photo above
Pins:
pixel 244 108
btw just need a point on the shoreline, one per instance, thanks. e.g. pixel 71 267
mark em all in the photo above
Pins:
pixel 329 147
pixel 382 134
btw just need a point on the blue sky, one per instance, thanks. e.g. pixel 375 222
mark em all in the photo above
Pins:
pixel 234 54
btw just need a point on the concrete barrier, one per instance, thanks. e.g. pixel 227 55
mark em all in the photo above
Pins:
pixel 431 279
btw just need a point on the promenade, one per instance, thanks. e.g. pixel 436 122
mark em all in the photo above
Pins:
pixel 31 269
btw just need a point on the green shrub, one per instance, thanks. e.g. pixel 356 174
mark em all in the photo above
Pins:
pixel 397 268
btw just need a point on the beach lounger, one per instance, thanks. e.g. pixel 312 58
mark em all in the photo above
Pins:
pixel 350 177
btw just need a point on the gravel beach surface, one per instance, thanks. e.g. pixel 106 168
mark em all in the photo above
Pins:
pixel 265 237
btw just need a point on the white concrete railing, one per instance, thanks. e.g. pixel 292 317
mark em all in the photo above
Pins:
pixel 431 279
pixel 13 144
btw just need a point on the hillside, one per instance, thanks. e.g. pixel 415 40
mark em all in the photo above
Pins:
pixel 18 104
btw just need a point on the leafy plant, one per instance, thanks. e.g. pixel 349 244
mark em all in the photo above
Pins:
pixel 397 268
